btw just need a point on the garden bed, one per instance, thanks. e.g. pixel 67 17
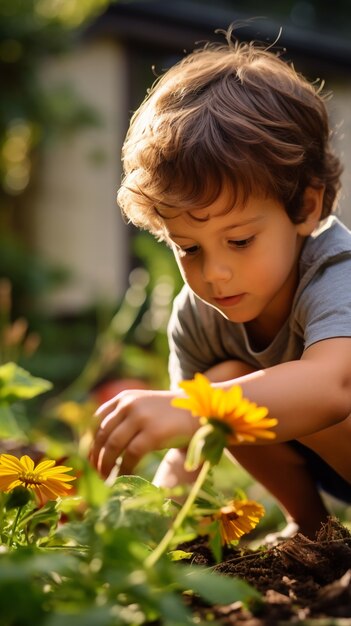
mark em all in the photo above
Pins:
pixel 302 581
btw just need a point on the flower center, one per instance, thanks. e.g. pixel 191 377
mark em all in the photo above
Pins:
pixel 232 515
pixel 30 478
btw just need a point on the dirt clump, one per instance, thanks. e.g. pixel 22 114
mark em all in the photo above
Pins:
pixel 301 580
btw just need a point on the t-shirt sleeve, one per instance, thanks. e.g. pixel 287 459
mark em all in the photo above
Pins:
pixel 324 307
pixel 189 339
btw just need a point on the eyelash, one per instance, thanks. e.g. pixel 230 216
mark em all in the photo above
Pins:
pixel 189 251
pixel 240 244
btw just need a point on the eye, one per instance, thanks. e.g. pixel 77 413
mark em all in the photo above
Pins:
pixel 241 243
pixel 189 251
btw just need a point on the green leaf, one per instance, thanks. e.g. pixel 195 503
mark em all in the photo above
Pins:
pixel 194 455
pixel 218 589
pixel 9 428
pixel 86 617
pixel 27 563
pixel 215 442
pixel 173 611
pixel 180 555
pixel 136 503
pixel 18 497
pixel 133 487
pixel 215 541
pixel 73 533
pixel 91 488
pixel 135 493
pixel 48 514
pixel 18 384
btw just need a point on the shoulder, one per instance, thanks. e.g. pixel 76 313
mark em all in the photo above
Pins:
pixel 329 246
pixel 323 299
pixel 325 264
pixel 330 241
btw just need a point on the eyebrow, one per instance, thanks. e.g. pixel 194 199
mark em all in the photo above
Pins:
pixel 247 222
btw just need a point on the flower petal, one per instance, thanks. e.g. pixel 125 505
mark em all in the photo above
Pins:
pixel 238 518
pixel 27 463
pixel 44 466
pixel 10 461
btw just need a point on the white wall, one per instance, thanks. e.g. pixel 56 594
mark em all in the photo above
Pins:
pixel 75 221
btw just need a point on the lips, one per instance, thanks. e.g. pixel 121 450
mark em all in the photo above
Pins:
pixel 229 300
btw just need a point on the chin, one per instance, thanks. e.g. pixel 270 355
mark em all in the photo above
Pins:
pixel 231 317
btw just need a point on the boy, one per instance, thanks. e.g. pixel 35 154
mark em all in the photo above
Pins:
pixel 228 160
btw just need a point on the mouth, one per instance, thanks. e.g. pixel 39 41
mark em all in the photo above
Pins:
pixel 229 300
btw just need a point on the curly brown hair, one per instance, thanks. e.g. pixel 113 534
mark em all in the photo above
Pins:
pixel 234 114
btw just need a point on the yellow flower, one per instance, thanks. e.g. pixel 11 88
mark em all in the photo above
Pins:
pixel 76 414
pixel 246 420
pixel 46 480
pixel 238 518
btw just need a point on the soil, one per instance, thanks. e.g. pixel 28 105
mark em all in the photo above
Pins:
pixel 302 581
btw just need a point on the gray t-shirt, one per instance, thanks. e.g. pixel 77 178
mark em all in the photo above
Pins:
pixel 200 337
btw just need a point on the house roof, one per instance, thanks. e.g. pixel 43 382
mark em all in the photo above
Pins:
pixel 177 26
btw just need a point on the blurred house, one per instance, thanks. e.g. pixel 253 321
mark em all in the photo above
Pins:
pixel 75 219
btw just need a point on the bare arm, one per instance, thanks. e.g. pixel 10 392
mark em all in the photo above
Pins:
pixel 306 395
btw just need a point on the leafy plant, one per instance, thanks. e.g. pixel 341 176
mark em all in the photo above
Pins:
pixel 79 561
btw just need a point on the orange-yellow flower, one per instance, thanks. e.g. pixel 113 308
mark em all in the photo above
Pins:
pixel 246 420
pixel 47 480
pixel 238 518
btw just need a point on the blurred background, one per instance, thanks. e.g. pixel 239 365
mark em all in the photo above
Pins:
pixel 84 298
pixel 79 289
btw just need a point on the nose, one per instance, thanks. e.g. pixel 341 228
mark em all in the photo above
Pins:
pixel 215 269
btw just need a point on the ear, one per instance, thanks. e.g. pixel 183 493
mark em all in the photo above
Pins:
pixel 311 210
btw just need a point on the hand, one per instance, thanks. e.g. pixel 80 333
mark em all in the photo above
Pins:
pixel 136 422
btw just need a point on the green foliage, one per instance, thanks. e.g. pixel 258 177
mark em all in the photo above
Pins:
pixel 85 559
pixel 9 426
pixel 95 569
pixel 16 384
pixel 208 443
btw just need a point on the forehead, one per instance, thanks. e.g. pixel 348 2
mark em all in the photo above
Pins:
pixel 226 202
pixel 218 197
pixel 214 218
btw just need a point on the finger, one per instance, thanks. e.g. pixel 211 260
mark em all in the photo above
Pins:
pixel 115 444
pixel 111 404
pixel 107 407
pixel 107 426
pixel 139 446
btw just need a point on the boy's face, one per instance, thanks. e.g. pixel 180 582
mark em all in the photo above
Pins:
pixel 244 263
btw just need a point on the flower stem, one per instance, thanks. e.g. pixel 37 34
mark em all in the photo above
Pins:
pixel 14 526
pixel 164 543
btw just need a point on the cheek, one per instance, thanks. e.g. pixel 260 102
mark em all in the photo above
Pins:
pixel 191 274
pixel 182 268
pixel 275 264
pixel 188 274
pixel 267 266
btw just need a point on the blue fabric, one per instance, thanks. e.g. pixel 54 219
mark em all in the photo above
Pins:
pixel 324 475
